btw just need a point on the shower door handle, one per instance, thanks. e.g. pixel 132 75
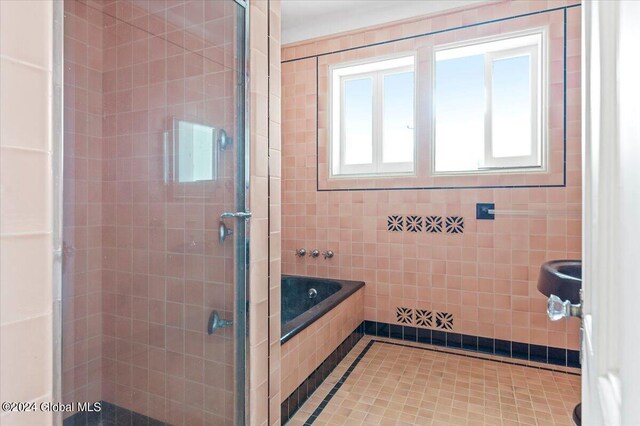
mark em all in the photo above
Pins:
pixel 241 215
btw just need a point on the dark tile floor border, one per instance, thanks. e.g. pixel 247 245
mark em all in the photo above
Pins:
pixel 314 416
pixel 299 396
pixel 111 415
pixel 517 350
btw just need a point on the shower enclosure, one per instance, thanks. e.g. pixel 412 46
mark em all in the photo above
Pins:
pixel 154 211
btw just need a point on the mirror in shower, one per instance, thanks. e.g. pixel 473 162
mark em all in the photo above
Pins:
pixel 195 152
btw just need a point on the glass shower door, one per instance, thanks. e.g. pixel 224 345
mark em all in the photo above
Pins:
pixel 154 279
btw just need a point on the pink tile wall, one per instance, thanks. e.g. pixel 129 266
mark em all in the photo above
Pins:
pixel 309 348
pixel 265 235
pixel 275 211
pixel 82 235
pixel 486 276
pixel 144 267
pixel 164 269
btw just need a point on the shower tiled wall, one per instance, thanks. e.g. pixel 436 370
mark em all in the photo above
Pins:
pixel 143 266
pixel 485 276
pixel 164 270
pixel 82 235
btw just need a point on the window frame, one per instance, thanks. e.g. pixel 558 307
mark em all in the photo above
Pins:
pixel 540 88
pixel 374 69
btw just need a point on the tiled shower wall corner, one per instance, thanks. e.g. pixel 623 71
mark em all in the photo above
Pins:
pixel 484 276
pixel 83 206
pixel 264 286
pixel 275 210
pixel 308 349
pixel 26 214
pixel 259 224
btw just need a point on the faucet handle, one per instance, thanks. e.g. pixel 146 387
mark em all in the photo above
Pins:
pixel 301 252
pixel 314 253
pixel 328 254
pixel 558 308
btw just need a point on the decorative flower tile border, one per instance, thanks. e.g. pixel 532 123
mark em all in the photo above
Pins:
pixel 395 223
pixel 424 318
pixel 431 224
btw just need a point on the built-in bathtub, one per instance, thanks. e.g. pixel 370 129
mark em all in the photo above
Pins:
pixel 306 299
pixel 321 321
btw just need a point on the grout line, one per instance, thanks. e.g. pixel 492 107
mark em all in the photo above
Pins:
pixel 25 63
pixel 45 314
pixel 317 125
pixel 25 234
pixel 24 149
pixel 564 94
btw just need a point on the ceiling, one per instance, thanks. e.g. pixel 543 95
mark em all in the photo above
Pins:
pixel 306 19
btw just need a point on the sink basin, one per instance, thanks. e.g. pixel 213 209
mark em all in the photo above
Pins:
pixel 562 278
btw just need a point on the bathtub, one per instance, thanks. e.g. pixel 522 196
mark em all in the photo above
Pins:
pixel 316 332
pixel 300 309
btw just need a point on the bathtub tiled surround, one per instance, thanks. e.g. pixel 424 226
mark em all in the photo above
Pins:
pixel 305 351
pixel 300 395
pixel 423 248
pixel 26 208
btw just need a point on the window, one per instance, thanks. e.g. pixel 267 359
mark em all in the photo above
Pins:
pixel 488 102
pixel 372 117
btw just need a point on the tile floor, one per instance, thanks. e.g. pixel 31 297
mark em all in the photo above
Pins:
pixel 392 383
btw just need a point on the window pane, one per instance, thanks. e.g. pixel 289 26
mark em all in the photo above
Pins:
pixel 459 113
pixel 511 107
pixel 397 145
pixel 358 121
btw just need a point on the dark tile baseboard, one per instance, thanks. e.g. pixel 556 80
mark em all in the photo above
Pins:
pixel 506 348
pixel 111 415
pixel 315 379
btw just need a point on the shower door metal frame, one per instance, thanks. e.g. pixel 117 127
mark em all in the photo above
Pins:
pixel 241 240
pixel 57 201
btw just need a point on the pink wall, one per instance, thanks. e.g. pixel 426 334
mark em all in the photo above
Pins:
pixel 485 277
